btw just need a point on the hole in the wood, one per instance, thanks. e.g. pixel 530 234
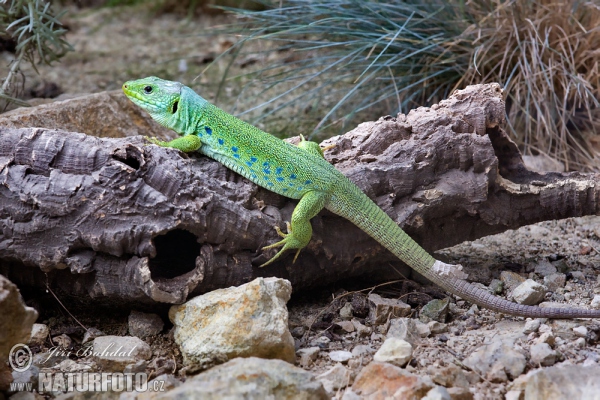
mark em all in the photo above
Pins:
pixel 356 260
pixel 176 253
pixel 132 157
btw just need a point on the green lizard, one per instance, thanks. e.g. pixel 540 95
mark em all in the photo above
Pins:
pixel 301 172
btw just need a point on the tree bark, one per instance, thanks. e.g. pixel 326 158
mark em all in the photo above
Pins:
pixel 117 220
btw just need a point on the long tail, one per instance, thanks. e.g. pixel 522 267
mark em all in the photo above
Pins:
pixel 364 213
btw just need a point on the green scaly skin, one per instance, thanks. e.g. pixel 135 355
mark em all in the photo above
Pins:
pixel 301 172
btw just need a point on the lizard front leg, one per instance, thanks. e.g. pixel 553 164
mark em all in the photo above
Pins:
pixel 185 143
pixel 299 230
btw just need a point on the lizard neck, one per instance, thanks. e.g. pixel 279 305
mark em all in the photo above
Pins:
pixel 191 114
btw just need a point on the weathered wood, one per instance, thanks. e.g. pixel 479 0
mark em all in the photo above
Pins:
pixel 118 220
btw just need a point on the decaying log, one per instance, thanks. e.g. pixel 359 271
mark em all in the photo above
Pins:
pixel 119 220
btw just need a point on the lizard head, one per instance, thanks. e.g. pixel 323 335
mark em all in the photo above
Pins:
pixel 158 97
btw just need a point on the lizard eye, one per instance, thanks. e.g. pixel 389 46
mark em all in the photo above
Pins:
pixel 148 89
pixel 175 107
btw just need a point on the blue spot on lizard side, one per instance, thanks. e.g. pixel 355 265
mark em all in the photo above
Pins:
pixel 208 130
pixel 221 141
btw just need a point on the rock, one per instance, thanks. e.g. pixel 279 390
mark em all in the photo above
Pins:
pixel 435 310
pixel 531 325
pixel 449 376
pixel 382 380
pixel 91 334
pixel 497 374
pixel 106 114
pixel 563 328
pixel 394 351
pixel 542 354
pixel 350 395
pixel 511 280
pixel 361 329
pixel 580 343
pixel 341 356
pixel 566 382
pixel 250 378
pixel 382 309
pixel 422 329
pixel 460 393
pixel 529 293
pixel 438 393
pixel 298 331
pixel 499 355
pixel 578 275
pixel 405 329
pixel 347 326
pixel 63 341
pixel 544 268
pixel 346 311
pixel 362 350
pixel 437 327
pixel 546 337
pixel 496 286
pixel 308 356
pixel 114 353
pixel 16 321
pixel 144 324
pixel 39 334
pixel 580 331
pixel 596 302
pixel 338 377
pixel 250 320
pixel 555 281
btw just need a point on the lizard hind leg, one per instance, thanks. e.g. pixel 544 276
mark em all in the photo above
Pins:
pixel 299 230
pixel 312 147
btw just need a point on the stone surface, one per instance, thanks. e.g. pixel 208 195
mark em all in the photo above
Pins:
pixel 435 310
pixel 496 286
pixel 542 354
pixel 595 302
pixel 437 327
pixel 449 376
pixel 250 378
pixel 394 351
pixel 555 281
pixel 114 353
pixel 529 293
pixel 383 380
pixel 438 393
pixel 405 329
pixel 382 309
pixel 338 377
pixel 460 393
pixel 422 329
pixel 250 320
pixel 531 325
pixel 566 382
pixel 341 356
pixel 497 357
pixel 16 318
pixel 308 356
pixel 544 268
pixel 39 333
pixel 346 311
pixel 580 331
pixel 144 324
pixel 511 279
pixel 106 114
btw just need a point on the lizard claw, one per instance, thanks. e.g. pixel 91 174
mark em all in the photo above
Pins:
pixel 287 243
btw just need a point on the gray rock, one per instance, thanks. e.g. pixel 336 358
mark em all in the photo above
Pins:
pixel 460 393
pixel 405 329
pixel 511 280
pixel 346 311
pixel 437 327
pixel 250 378
pixel 91 334
pixel 16 321
pixel 578 275
pixel 382 309
pixel 394 351
pixel 144 324
pixel 531 325
pixel 438 393
pixel 250 320
pixel 361 330
pixel 114 353
pixel 596 302
pixel 308 356
pixel 362 350
pixel 338 377
pixel 423 329
pixel 347 326
pixel 39 334
pixel 495 357
pixel 555 281
pixel 435 310
pixel 496 286
pixel 544 268
pixel 565 382
pixel 542 354
pixel 340 356
pixel 529 293
pixel 449 376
